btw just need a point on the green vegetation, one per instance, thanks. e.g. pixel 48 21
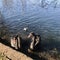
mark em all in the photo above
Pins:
pixel 2 57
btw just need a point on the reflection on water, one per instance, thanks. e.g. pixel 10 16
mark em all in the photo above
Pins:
pixel 4 32
pixel 45 22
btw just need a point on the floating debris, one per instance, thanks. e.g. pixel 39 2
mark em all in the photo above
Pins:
pixel 25 28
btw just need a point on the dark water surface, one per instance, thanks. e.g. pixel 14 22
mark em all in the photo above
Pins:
pixel 43 21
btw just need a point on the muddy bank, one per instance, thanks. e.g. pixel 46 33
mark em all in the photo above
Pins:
pixel 11 54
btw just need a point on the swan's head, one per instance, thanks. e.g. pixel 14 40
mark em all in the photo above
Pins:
pixel 31 34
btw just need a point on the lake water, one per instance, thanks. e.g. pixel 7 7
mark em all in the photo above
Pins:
pixel 43 21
